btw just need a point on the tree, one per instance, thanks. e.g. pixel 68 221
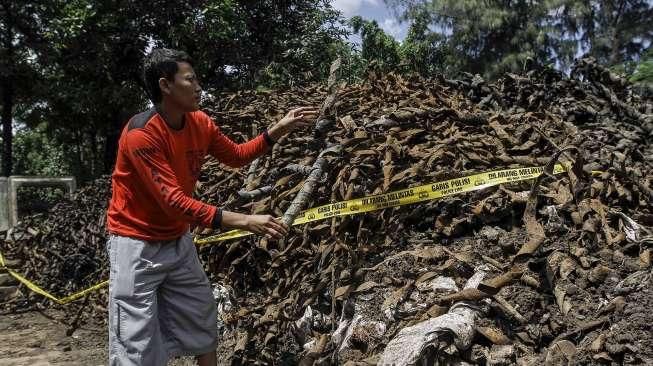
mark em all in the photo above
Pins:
pixel 613 31
pixel 274 43
pixel 86 82
pixel 99 49
pixel 499 35
pixel 424 51
pixel 376 46
pixel 94 80
pixel 644 70
pixel 36 154
pixel 487 37
pixel 22 48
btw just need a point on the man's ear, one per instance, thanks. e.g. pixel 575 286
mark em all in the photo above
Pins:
pixel 164 85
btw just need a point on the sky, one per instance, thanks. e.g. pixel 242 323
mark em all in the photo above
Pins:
pixel 379 11
pixel 373 10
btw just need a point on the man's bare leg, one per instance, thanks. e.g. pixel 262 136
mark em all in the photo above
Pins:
pixel 207 359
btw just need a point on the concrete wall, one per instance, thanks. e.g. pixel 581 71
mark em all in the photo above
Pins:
pixel 9 194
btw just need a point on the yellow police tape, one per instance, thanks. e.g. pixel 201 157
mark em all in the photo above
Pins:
pixel 359 205
pixel 41 291
pixel 402 197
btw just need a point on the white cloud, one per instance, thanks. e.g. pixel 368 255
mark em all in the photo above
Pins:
pixel 393 28
pixel 350 8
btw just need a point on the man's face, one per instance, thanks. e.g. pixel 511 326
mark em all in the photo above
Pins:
pixel 184 90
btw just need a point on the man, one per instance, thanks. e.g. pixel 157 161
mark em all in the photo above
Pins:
pixel 160 300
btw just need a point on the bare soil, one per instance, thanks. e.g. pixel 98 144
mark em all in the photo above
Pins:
pixel 36 339
pixel 39 338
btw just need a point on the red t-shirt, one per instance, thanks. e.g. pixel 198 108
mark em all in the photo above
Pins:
pixel 156 171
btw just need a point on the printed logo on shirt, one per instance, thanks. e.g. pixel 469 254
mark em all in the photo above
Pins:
pixel 156 178
pixel 186 211
pixel 195 158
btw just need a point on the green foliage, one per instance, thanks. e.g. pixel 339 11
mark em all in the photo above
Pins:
pixel 644 70
pixel 303 45
pixel 487 37
pixel 23 49
pixel 70 70
pixel 491 37
pixel 613 31
pixel 268 43
pixel 91 80
pixel 76 64
pixel 424 51
pixel 376 46
pixel 36 154
pixel 353 67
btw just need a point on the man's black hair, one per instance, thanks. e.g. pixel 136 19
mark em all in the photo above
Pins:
pixel 161 62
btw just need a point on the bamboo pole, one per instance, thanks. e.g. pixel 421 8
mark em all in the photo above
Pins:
pixel 319 165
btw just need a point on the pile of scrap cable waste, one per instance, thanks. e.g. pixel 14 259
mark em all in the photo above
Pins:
pixel 62 251
pixel 555 270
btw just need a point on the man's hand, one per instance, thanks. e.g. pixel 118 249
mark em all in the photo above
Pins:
pixel 296 118
pixel 258 224
pixel 267 225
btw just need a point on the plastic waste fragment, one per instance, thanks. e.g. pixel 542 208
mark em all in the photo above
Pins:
pixel 222 295
pixel 408 346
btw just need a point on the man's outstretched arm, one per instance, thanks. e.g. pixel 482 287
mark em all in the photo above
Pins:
pixel 238 155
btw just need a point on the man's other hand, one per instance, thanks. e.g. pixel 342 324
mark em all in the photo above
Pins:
pixel 297 118
pixel 267 225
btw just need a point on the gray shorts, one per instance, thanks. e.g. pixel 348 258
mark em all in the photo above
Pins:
pixel 160 302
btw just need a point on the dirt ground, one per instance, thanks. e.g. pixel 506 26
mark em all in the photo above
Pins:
pixel 39 339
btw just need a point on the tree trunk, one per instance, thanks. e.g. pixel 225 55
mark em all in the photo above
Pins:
pixel 615 43
pixel 7 136
pixel 95 158
pixel 80 172
pixel 7 93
